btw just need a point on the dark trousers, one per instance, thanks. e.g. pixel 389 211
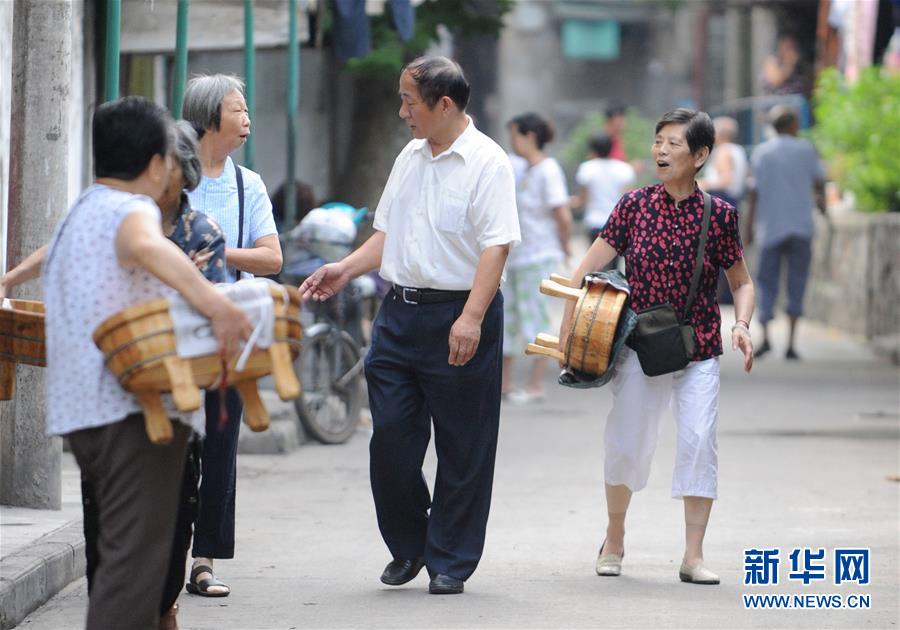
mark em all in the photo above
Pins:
pixel 411 386
pixel 181 540
pixel 134 495
pixel 796 252
pixel 214 528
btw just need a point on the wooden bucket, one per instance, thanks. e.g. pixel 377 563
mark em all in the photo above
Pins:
pixel 21 341
pixel 594 321
pixel 139 348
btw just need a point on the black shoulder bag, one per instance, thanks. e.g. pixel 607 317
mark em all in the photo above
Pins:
pixel 663 342
pixel 240 187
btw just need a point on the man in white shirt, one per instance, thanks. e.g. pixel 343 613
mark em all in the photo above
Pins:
pixel 444 226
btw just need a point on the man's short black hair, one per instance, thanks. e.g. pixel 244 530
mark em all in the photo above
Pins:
pixel 127 133
pixel 699 129
pixel 437 77
pixel 784 118
pixel 601 145
pixel 614 108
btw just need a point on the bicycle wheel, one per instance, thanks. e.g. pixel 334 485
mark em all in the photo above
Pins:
pixel 331 381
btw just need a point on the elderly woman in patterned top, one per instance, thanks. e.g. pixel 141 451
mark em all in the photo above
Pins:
pixel 657 229
pixel 202 240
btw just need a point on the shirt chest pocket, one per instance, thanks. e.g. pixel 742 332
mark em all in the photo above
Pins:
pixel 452 207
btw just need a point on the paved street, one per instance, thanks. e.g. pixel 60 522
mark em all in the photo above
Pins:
pixel 805 451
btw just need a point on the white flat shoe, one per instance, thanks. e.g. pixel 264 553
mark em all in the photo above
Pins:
pixel 609 564
pixel 698 575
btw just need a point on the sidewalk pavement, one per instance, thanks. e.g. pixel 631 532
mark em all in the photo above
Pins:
pixel 806 449
pixel 42 551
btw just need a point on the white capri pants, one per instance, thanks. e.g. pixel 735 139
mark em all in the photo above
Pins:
pixel 632 428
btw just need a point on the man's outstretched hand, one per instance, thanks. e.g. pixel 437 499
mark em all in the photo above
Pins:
pixel 326 281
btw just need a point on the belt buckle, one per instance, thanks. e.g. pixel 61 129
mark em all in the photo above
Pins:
pixel 406 299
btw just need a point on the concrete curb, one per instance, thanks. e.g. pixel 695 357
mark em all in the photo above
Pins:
pixel 31 576
pixel 284 434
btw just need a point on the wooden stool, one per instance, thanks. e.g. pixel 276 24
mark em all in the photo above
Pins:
pixel 21 341
pixel 138 344
pixel 596 316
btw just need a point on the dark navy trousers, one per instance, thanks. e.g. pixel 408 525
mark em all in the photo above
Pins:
pixel 214 527
pixel 412 386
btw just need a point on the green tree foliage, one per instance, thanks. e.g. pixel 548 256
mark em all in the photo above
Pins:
pixel 858 132
pixel 466 17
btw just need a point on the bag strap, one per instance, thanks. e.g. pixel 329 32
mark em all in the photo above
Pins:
pixel 701 247
pixel 240 191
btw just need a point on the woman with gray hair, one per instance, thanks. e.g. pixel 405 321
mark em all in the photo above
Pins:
pixel 236 198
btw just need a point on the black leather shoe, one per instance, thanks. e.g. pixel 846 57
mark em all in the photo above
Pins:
pixel 445 585
pixel 399 572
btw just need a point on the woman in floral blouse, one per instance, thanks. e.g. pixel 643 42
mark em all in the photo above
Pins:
pixel 657 229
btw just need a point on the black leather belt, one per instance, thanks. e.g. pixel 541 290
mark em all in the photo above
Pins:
pixel 411 295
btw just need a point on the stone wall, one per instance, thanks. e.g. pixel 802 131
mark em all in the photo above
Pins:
pixel 855 277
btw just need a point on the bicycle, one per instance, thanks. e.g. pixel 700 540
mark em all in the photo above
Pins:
pixel 332 350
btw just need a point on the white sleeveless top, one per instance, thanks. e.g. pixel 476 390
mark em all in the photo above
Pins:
pixel 739 168
pixel 83 285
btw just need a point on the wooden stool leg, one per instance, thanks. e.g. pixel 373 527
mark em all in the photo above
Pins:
pixel 554 289
pixel 7 380
pixel 255 414
pixel 286 383
pixel 184 391
pixel 156 421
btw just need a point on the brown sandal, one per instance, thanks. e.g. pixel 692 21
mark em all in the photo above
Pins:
pixel 202 587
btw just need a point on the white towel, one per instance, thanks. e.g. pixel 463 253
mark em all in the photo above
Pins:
pixel 193 332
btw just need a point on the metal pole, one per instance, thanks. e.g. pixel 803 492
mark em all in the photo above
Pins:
pixel 249 76
pixel 181 55
pixel 111 67
pixel 293 97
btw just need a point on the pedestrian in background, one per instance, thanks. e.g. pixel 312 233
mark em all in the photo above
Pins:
pixel 725 177
pixel 614 127
pixel 657 229
pixel 725 174
pixel 444 227
pixel 788 183
pixel 545 222
pixel 785 71
pixel 108 254
pixel 235 197
pixel 602 180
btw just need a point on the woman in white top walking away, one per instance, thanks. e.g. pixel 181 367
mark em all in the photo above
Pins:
pixel 546 224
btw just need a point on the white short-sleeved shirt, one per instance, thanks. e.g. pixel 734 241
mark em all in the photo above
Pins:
pixel 84 285
pixel 218 198
pixel 605 181
pixel 539 189
pixel 439 213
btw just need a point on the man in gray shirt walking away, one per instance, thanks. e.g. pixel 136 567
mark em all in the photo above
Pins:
pixel 786 174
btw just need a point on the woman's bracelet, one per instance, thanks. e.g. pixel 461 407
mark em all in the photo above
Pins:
pixel 742 325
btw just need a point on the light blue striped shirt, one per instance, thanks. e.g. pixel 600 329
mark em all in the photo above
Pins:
pixel 218 198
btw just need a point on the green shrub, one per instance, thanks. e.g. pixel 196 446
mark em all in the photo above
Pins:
pixel 858 133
